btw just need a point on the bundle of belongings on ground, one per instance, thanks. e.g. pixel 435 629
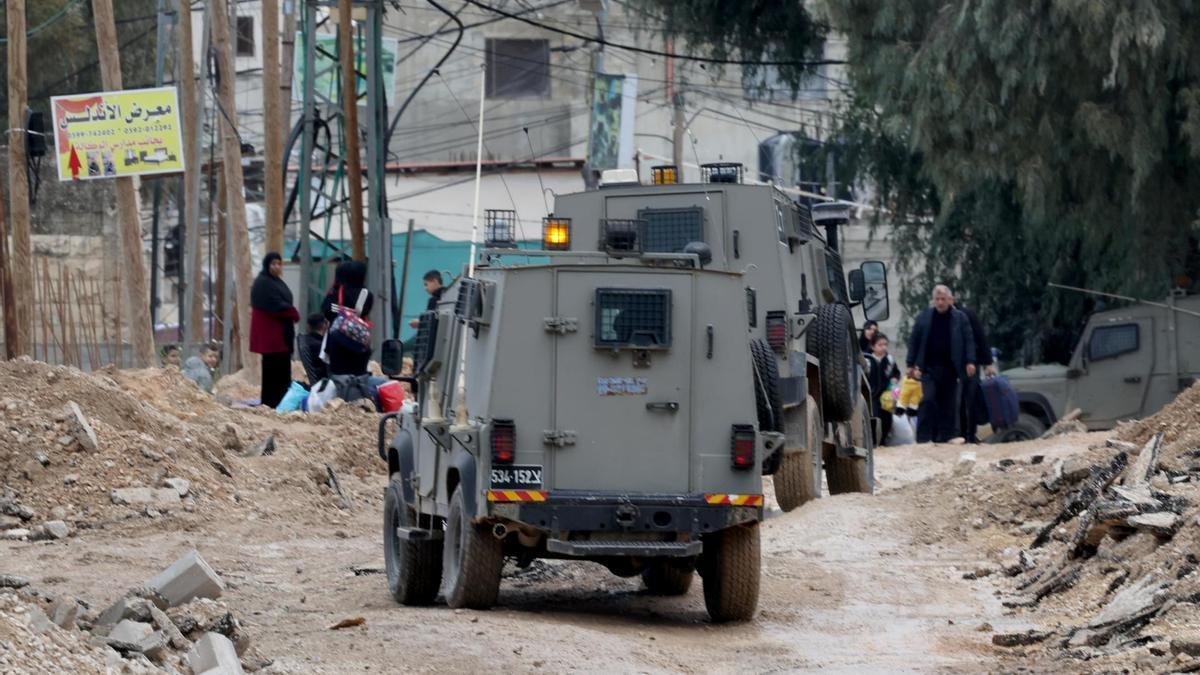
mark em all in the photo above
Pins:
pixel 386 395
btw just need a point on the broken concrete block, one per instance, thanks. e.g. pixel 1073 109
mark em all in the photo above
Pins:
pixel 64 612
pixel 130 631
pixel 1075 469
pixel 81 429
pixel 141 495
pixel 164 623
pixel 214 652
pixel 180 485
pixel 1186 644
pixel 136 609
pixel 10 522
pixel 154 646
pixel 38 621
pixel 15 535
pixel 966 463
pixel 1161 523
pixel 1028 637
pixel 1135 600
pixel 186 579
pixel 13 581
pixel 57 529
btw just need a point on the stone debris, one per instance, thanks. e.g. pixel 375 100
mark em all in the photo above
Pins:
pixel 214 653
pixel 80 428
pixel 65 612
pixel 57 529
pixel 179 485
pixel 13 581
pixel 186 579
pixel 966 463
pixel 264 448
pixel 1022 639
pixel 129 631
pixel 162 497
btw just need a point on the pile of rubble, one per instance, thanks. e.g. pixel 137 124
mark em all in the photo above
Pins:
pixel 1113 555
pixel 174 623
pixel 81 451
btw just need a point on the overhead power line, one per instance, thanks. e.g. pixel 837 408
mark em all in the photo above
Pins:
pixel 652 52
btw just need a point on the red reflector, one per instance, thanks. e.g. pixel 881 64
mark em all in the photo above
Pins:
pixel 504 443
pixel 777 330
pixel 743 446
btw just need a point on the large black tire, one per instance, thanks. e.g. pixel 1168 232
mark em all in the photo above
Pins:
pixel 414 568
pixel 855 474
pixel 1027 428
pixel 767 397
pixel 472 560
pixel 669 576
pixel 831 339
pixel 732 571
pixel 798 480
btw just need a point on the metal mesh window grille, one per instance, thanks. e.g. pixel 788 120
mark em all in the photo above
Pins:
pixel 804 221
pixel 622 235
pixel 1110 341
pixel 752 307
pixel 499 228
pixel 423 342
pixel 638 318
pixel 669 230
pixel 466 305
pixel 837 280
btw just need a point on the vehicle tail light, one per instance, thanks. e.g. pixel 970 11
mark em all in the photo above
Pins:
pixel 743 446
pixel 504 441
pixel 777 330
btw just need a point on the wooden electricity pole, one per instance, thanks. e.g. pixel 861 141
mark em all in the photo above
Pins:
pixel 231 154
pixel 193 274
pixel 275 123
pixel 350 111
pixel 18 184
pixel 6 289
pixel 140 329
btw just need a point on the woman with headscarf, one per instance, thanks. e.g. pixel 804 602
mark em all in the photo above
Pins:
pixel 271 331
pixel 349 282
pixel 867 336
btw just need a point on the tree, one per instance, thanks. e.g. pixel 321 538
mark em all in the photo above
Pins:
pixel 1016 143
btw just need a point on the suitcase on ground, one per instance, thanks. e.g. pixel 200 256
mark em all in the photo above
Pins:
pixel 1001 399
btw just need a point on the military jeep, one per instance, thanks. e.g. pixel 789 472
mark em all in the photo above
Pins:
pixel 809 376
pixel 581 404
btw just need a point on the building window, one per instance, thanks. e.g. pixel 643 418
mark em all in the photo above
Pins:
pixel 245 36
pixel 518 68
pixel 766 84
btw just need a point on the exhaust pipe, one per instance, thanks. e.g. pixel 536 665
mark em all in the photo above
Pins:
pixel 500 530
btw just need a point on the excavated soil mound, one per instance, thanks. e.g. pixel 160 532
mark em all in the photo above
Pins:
pixel 153 429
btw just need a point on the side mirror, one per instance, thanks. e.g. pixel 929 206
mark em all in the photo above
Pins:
pixel 874 296
pixel 858 286
pixel 391 358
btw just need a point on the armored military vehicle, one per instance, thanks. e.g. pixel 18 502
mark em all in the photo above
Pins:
pixel 582 404
pixel 1128 363
pixel 809 379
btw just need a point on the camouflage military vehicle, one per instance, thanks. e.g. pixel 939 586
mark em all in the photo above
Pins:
pixel 594 402
pixel 809 379
pixel 1128 364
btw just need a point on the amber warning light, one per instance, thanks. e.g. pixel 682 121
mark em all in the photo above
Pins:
pixel 664 175
pixel 556 234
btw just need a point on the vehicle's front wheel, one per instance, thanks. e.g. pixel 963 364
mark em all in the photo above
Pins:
pixel 669 576
pixel 731 573
pixel 1027 428
pixel 414 568
pixel 472 560
pixel 798 480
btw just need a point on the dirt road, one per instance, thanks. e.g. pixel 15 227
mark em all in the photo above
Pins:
pixel 850 583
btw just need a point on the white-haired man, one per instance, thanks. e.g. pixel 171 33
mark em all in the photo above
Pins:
pixel 941 354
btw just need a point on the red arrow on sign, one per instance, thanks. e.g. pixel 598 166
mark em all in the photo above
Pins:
pixel 74 164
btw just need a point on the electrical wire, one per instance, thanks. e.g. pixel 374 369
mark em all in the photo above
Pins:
pixel 653 52
pixel 54 18
pixel 387 138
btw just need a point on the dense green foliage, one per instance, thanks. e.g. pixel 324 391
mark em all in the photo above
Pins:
pixel 1012 143
pixel 62 56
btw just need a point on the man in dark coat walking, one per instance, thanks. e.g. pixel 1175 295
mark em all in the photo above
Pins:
pixel 972 410
pixel 941 354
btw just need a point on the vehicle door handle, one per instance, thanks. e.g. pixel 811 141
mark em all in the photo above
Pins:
pixel 665 406
pixel 1133 379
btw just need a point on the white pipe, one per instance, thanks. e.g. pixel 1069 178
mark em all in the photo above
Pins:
pixel 478 179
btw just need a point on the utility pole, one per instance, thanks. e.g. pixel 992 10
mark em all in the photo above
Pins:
pixel 350 111
pixel 6 288
pixel 288 40
pixel 193 277
pixel 275 125
pixel 18 184
pixel 140 329
pixel 231 154
pixel 160 52
pixel 679 132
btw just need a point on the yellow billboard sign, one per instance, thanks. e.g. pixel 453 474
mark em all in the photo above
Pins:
pixel 117 133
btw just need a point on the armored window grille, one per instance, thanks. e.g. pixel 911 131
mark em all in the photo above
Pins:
pixel 622 235
pixel 424 341
pixel 669 230
pixel 752 307
pixel 500 228
pixel 466 304
pixel 633 318
pixel 837 280
pixel 1111 341
pixel 804 222
pixel 722 172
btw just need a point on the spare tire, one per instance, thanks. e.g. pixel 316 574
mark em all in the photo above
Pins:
pixel 767 397
pixel 831 340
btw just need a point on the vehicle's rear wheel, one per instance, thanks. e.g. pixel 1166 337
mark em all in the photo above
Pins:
pixel 669 576
pixel 472 560
pixel 414 568
pixel 1027 428
pixel 831 339
pixel 731 574
pixel 798 479
pixel 855 474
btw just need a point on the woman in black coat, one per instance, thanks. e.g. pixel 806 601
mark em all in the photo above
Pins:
pixel 348 281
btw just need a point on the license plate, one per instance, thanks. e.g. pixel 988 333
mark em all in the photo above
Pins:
pixel 517 477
